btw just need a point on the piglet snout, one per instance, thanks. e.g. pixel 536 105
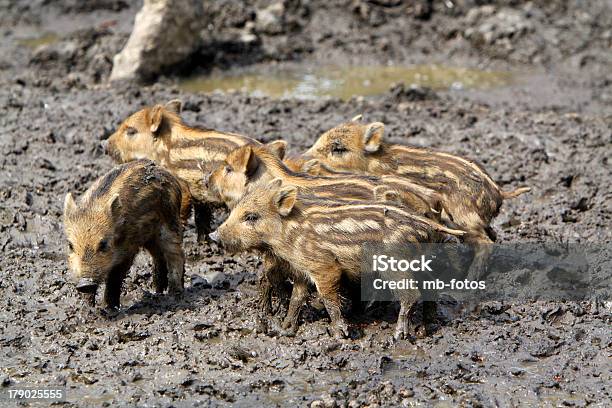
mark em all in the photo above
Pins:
pixel 214 236
pixel 104 146
pixel 86 285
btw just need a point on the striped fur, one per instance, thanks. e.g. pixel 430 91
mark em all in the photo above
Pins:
pixel 321 239
pixel 470 197
pixel 158 133
pixel 180 148
pixel 135 205
pixel 250 166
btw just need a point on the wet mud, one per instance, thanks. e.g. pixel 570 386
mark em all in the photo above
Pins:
pixel 552 132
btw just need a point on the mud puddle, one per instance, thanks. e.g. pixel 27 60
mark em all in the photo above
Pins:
pixel 37 40
pixel 343 82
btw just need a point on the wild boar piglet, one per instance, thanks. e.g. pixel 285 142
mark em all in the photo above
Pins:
pixel 158 133
pixel 300 164
pixel 249 167
pixel 135 205
pixel 470 197
pixel 322 239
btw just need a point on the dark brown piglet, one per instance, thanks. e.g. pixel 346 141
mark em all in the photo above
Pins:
pixel 158 133
pixel 135 205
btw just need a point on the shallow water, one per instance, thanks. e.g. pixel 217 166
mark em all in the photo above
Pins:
pixel 342 82
pixel 43 39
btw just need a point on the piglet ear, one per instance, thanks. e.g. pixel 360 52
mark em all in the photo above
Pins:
pixel 69 205
pixel 243 160
pixel 155 118
pixel 312 167
pixel 275 184
pixel 373 136
pixel 175 106
pixel 114 206
pixel 277 148
pixel 285 199
pixel 382 194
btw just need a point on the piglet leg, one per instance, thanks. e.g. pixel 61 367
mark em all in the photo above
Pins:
pixel 299 295
pixel 328 286
pixel 404 328
pixel 112 290
pixel 160 266
pixel 171 245
pixel 203 217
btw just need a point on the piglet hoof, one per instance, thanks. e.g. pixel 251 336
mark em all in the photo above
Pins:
pixel 89 299
pixel 289 327
pixel 402 333
pixel 290 332
pixel 431 328
pixel 261 324
pixel 176 293
pixel 265 307
pixel 110 311
pixel 421 332
pixel 477 271
pixel 403 329
pixel 340 330
pixel 287 323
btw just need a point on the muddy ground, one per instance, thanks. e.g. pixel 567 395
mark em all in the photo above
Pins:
pixel 551 131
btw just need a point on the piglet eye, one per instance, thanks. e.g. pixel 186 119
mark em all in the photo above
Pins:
pixel 228 169
pixel 70 247
pixel 130 131
pixel 337 148
pixel 251 217
pixel 103 246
